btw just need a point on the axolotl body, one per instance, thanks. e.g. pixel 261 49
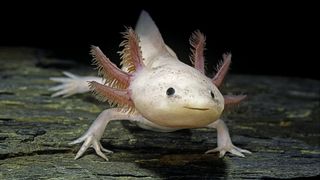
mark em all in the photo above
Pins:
pixel 154 89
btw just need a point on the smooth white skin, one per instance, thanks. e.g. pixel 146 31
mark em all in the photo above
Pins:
pixel 191 106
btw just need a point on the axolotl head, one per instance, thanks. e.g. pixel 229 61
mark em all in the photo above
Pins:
pixel 176 95
pixel 169 92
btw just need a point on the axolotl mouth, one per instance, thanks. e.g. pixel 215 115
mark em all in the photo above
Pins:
pixel 195 108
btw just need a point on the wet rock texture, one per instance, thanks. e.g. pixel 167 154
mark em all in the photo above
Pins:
pixel 279 123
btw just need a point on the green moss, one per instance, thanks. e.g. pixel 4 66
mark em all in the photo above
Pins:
pixel 305 151
pixel 303 113
pixel 245 127
pixel 46 119
pixel 12 103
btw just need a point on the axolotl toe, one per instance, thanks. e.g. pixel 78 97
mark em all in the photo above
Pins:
pixel 154 89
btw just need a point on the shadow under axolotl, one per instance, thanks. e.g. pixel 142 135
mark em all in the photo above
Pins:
pixel 176 154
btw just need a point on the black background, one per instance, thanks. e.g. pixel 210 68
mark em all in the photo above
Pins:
pixel 264 38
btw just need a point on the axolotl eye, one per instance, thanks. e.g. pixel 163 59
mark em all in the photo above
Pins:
pixel 212 95
pixel 170 91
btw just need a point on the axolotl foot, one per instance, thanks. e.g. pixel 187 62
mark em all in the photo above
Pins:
pixel 72 84
pixel 229 148
pixel 93 135
pixel 90 141
pixel 224 141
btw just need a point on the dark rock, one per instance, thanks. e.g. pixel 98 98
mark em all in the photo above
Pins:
pixel 279 123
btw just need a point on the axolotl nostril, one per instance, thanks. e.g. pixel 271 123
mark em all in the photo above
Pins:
pixel 154 89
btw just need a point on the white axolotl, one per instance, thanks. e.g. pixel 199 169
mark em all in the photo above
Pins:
pixel 154 89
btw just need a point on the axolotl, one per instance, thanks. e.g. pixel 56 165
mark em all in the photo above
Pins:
pixel 154 89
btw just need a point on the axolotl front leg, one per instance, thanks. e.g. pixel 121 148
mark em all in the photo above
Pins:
pixel 224 141
pixel 93 135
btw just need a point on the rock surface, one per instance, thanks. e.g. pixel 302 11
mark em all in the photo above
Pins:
pixel 279 123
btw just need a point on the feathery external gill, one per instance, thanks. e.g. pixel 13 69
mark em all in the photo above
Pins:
pixel 198 43
pixel 233 99
pixel 115 97
pixel 131 54
pixel 222 69
pixel 115 90
pixel 114 76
